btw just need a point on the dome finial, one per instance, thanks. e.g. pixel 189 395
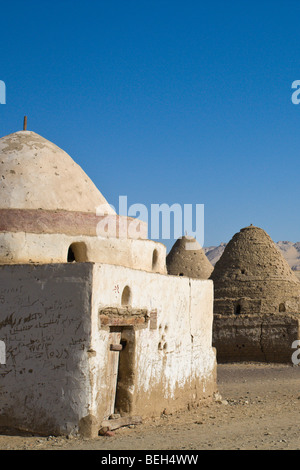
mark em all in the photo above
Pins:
pixel 25 123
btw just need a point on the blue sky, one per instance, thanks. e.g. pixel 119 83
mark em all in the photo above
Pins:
pixel 166 101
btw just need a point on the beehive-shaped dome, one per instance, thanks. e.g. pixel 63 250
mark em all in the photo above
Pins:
pixel 252 276
pixel 187 258
pixel 36 174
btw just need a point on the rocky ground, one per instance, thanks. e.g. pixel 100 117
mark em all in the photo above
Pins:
pixel 259 409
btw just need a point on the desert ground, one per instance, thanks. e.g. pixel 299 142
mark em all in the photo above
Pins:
pixel 259 409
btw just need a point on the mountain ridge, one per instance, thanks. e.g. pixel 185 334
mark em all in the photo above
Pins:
pixel 290 251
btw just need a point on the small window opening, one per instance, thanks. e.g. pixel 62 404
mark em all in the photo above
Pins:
pixel 77 253
pixel 238 309
pixel 154 259
pixel 281 308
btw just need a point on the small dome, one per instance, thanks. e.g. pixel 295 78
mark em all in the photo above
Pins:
pixel 252 276
pixel 187 258
pixel 36 174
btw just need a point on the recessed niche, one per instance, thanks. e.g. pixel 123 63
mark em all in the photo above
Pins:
pixel 126 296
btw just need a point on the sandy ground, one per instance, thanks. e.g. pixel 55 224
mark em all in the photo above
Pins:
pixel 260 409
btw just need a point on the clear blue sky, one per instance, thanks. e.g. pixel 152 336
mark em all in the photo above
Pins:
pixel 166 101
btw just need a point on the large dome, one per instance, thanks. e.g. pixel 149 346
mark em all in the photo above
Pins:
pixel 252 276
pixel 51 212
pixel 187 258
pixel 36 174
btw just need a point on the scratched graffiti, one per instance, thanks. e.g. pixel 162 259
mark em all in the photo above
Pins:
pixel 33 327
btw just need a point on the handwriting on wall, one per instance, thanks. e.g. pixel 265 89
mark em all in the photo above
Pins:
pixel 40 323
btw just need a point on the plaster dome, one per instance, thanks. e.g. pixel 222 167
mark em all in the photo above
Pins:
pixel 51 212
pixel 36 174
pixel 187 258
pixel 252 276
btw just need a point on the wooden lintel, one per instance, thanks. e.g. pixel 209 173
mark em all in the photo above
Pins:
pixel 124 311
pixel 116 347
pixel 123 316
pixel 121 321
pixel 112 424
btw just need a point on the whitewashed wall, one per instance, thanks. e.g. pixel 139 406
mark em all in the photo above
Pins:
pixel 21 248
pixel 175 363
pixel 45 324
pixel 57 377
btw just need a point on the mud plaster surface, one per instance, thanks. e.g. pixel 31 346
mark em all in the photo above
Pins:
pixel 262 413
pixel 35 173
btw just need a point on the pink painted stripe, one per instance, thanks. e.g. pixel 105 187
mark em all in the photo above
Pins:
pixel 71 223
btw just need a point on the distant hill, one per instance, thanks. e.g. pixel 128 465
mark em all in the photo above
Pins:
pixel 290 250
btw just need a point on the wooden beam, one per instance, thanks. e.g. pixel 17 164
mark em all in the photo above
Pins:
pixel 116 347
pixel 112 424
